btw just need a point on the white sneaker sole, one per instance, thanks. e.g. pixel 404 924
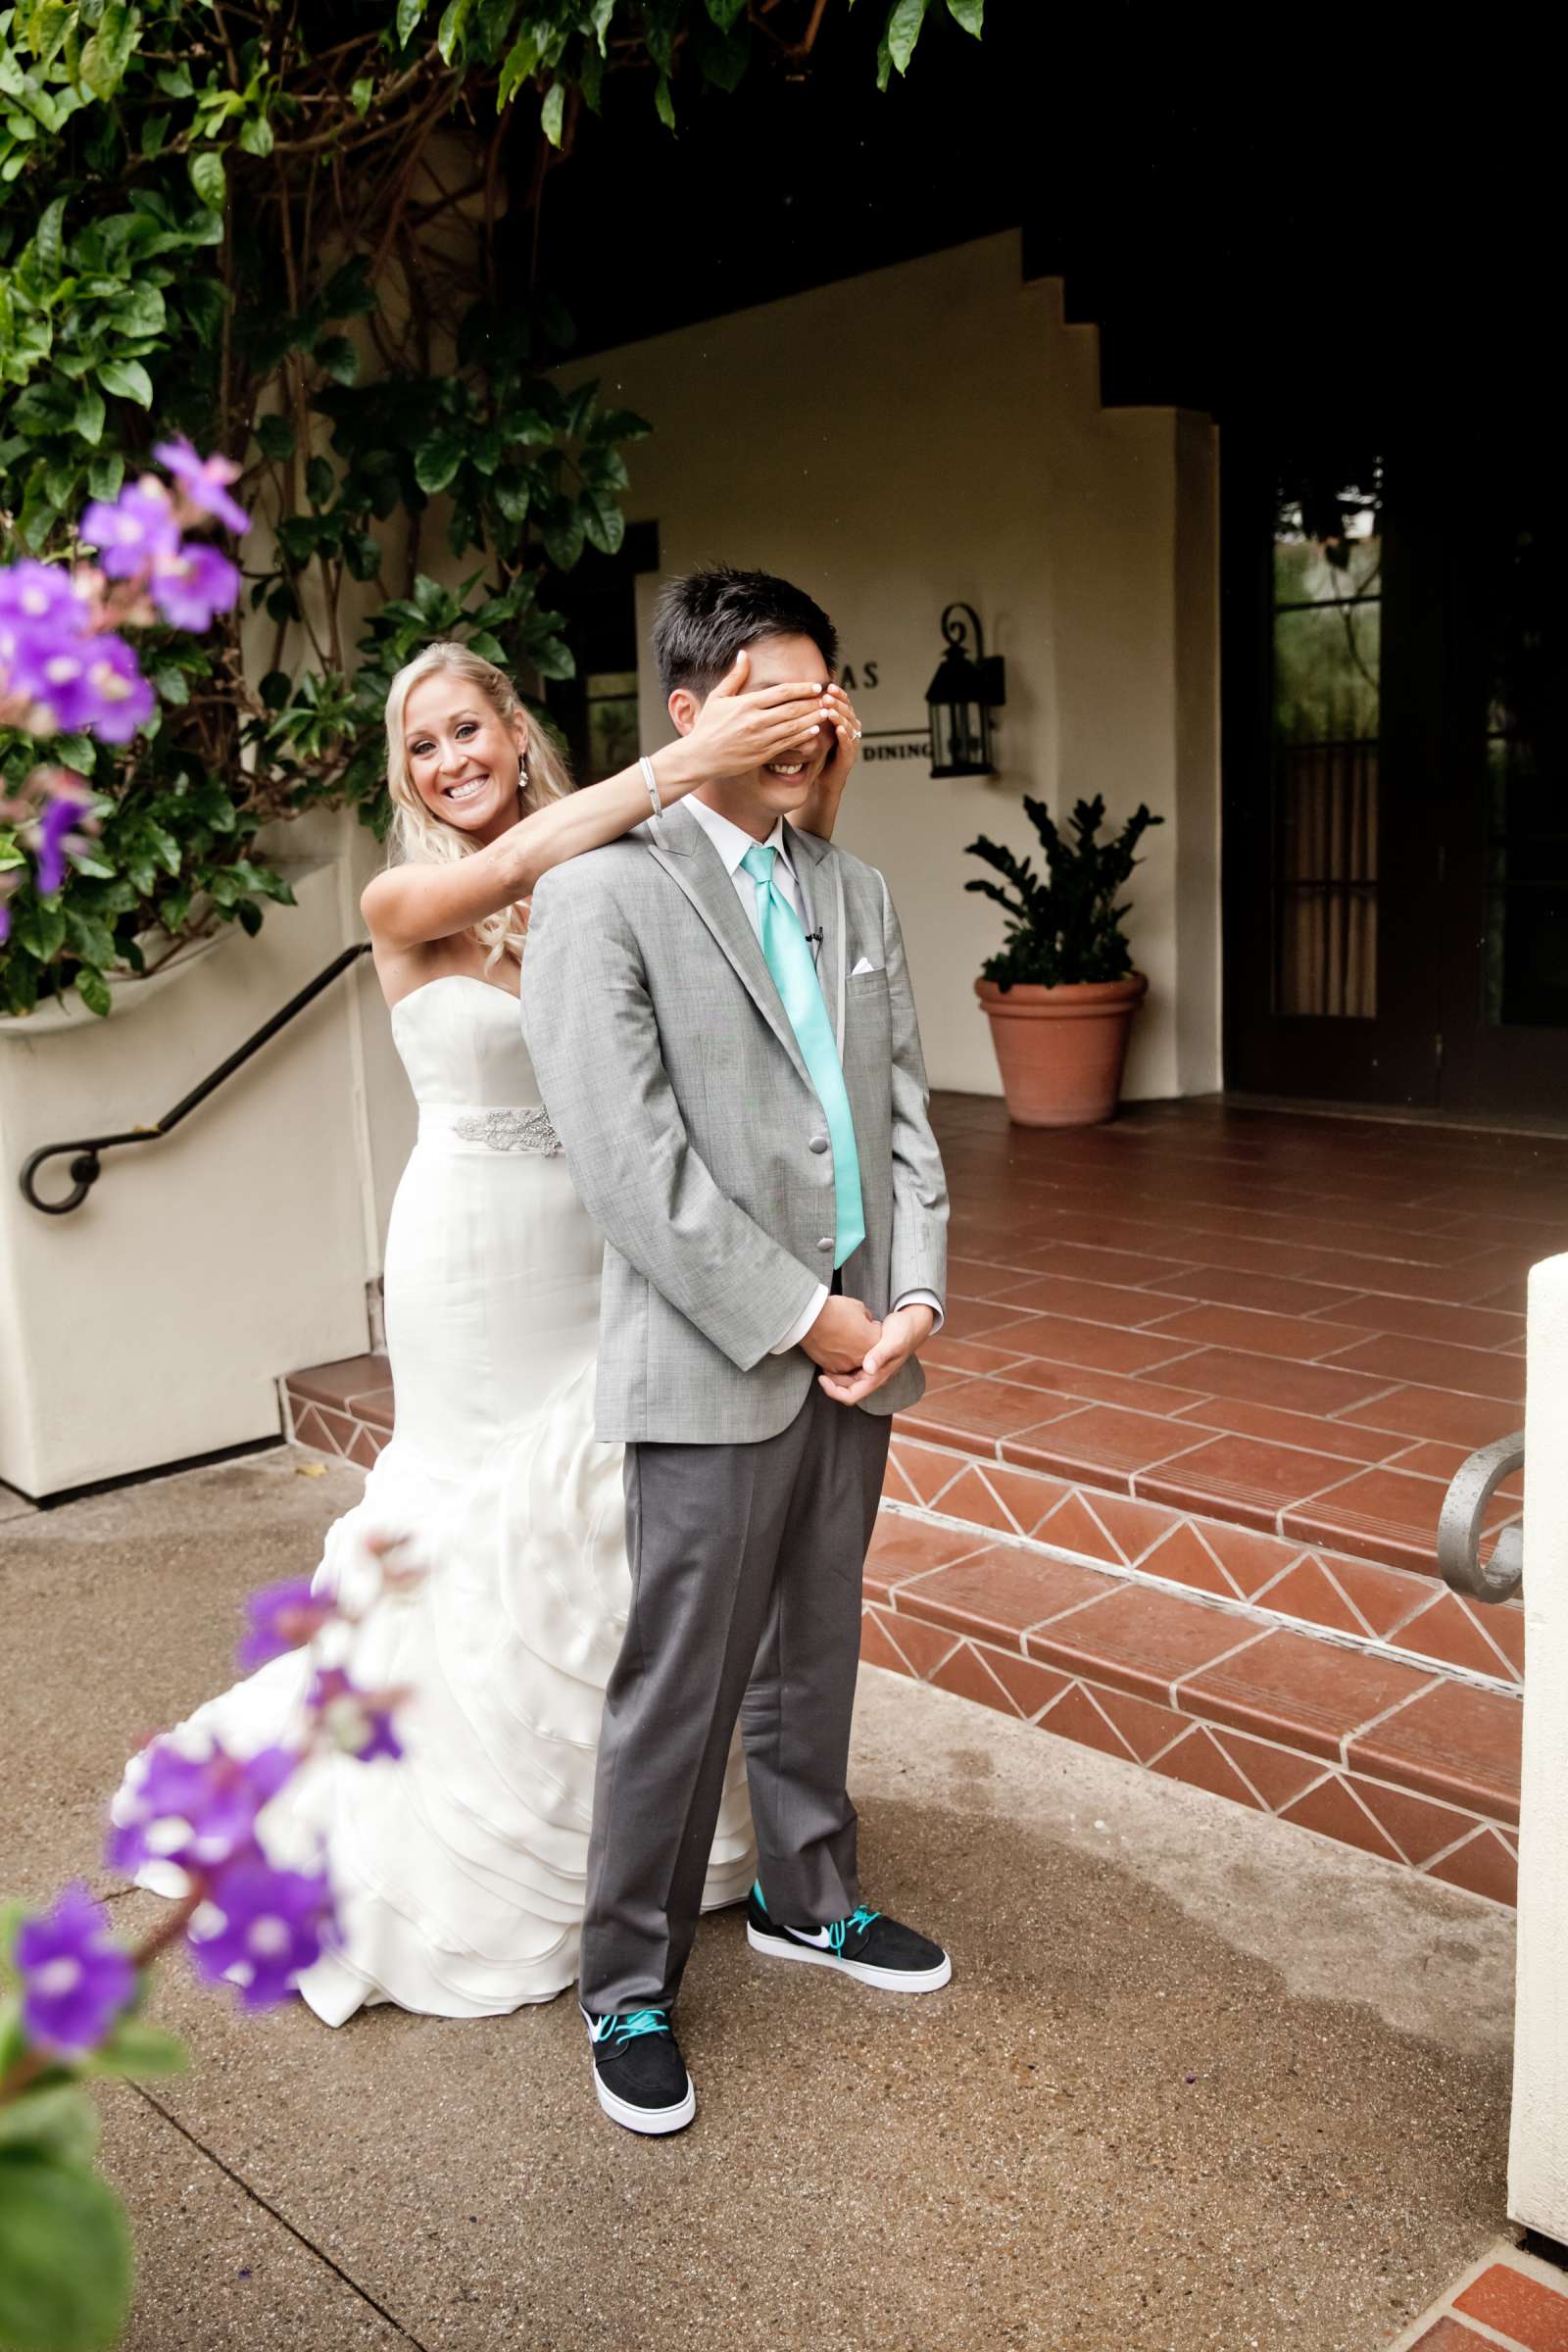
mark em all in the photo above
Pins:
pixel 650 2121
pixel 885 1980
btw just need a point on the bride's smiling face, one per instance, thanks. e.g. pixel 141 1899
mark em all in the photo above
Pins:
pixel 462 756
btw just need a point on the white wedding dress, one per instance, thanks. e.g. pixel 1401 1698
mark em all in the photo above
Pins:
pixel 459 1871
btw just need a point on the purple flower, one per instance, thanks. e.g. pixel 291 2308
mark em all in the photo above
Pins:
pixel 76 1981
pixel 77 680
pixel 5 919
pixel 198 1812
pixel 134 532
pixel 191 582
pixel 204 480
pixel 273 1923
pixel 30 593
pixel 56 827
pixel 121 697
pixel 283 1617
pixel 358 1722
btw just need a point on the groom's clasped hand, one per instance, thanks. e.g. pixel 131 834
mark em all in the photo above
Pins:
pixel 857 1353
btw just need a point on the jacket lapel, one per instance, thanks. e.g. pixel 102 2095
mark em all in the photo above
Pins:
pixel 821 882
pixel 695 867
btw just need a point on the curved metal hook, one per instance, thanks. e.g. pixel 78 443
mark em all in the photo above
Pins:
pixel 86 1170
pixel 1463 1518
pixel 955 632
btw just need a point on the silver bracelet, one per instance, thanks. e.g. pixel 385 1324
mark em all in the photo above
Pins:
pixel 652 782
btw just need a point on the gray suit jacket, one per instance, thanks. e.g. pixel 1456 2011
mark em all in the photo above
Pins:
pixel 695 1136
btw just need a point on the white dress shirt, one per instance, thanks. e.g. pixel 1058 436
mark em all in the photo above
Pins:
pixel 732 845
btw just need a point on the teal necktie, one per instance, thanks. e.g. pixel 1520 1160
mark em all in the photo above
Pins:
pixel 789 959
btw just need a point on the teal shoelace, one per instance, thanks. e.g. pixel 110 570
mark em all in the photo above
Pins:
pixel 631 2027
pixel 840 1929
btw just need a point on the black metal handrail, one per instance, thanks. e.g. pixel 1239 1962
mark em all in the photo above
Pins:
pixel 86 1168
pixel 1461 1525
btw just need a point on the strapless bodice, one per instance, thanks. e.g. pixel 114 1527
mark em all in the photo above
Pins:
pixel 461 1043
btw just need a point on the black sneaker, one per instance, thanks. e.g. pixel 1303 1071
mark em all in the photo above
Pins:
pixel 639 2073
pixel 873 1950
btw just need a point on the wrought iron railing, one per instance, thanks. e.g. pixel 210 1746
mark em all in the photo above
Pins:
pixel 1461 1525
pixel 85 1153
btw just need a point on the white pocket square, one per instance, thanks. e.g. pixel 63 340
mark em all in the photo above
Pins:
pixel 864 965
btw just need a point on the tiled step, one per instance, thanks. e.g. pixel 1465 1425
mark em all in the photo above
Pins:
pixel 1101 1640
pixel 341 1408
pixel 1365 1702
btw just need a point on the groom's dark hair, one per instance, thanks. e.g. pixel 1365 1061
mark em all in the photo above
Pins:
pixel 706 618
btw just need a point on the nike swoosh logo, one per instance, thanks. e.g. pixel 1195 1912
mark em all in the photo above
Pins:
pixel 820 1936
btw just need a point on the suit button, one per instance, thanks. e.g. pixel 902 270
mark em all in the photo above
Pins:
pixel 818 1142
pixel 826 1243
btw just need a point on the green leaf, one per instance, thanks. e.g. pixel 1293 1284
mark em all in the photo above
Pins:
pixel 360 95
pixel 138 2049
pixel 107 55
pixel 553 113
pixel 552 658
pixel 256 136
pixel 604 522
pixel 663 102
pixel 409 13
pixel 436 460
pixel 175 81
pixel 74 752
pixel 520 64
pixel 970 14
pixel 337 356
pixel 154 131
pixel 319 482
pixel 276 437
pixel 94 989
pixel 511 492
pixel 563 542
pixel 449 33
pixel 40 928
pixel 59 2123
pixel 49 241
pixel 66 2273
pixel 91 942
pixel 87 417
pixel 903 30
pixel 127 379
pixel 726 13
pixel 172 683
pixel 206 177
pixel 362 555
pixel 106 475
pixel 489 648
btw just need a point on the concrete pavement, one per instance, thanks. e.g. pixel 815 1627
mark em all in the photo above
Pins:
pixel 1202 2080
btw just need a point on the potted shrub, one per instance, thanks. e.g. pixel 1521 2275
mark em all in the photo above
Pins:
pixel 1061 993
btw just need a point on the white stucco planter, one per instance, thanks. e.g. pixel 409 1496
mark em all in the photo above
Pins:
pixel 129 990
pixel 152 1324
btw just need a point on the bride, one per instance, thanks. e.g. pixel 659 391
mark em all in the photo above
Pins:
pixel 459 1871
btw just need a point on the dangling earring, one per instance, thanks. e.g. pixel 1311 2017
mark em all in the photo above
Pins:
pixel 522 776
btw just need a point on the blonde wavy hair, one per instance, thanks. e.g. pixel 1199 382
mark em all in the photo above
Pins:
pixel 419 834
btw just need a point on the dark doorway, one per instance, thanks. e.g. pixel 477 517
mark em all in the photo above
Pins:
pixel 1396 835
pixel 596 709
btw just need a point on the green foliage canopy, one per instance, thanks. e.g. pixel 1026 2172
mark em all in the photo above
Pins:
pixel 293 235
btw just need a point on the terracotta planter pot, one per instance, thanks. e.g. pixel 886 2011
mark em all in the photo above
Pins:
pixel 1061 1050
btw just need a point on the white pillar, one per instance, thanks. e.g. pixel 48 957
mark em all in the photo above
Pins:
pixel 1537 2167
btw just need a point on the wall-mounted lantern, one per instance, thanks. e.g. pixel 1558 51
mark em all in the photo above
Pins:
pixel 967 687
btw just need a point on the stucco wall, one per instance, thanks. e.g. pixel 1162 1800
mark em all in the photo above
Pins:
pixel 934 431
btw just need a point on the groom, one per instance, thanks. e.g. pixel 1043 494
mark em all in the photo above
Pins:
pixel 719 1014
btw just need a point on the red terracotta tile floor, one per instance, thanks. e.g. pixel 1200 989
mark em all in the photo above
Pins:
pixel 1173 1491
pixel 1508 2300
